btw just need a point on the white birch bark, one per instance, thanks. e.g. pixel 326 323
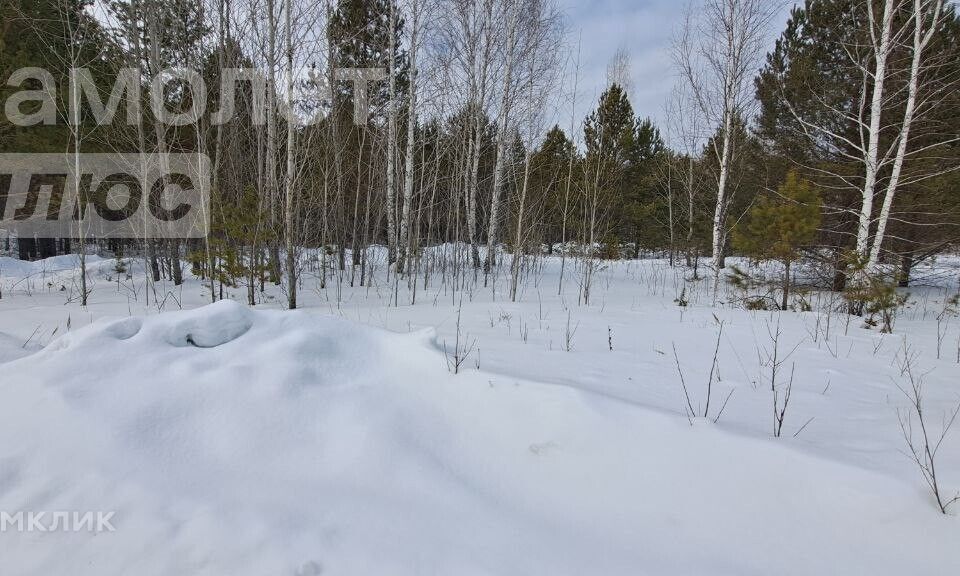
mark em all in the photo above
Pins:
pixel 391 143
pixel 479 103
pixel 882 51
pixel 288 188
pixel 502 141
pixel 408 175
pixel 720 209
pixel 920 41
pixel 272 192
pixel 566 191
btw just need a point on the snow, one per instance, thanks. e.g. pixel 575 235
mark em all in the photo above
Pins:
pixel 334 440
pixel 11 267
pixel 209 327
pixel 12 348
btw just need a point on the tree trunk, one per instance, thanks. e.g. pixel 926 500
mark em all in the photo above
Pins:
pixel 500 165
pixel 786 285
pixel 408 175
pixel 518 242
pixel 391 145
pixel 920 41
pixel 288 204
pixel 873 143
pixel 176 270
pixel 273 193
pixel 906 267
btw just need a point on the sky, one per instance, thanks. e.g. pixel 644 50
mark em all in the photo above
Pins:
pixel 645 28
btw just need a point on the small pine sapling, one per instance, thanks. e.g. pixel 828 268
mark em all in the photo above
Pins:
pixel 779 225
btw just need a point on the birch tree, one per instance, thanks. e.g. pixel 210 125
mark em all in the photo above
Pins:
pixel 416 21
pixel 392 139
pixel 271 198
pixel 857 94
pixel 540 46
pixel 564 215
pixel 685 127
pixel 926 15
pixel 503 130
pixel 289 181
pixel 882 44
pixel 716 54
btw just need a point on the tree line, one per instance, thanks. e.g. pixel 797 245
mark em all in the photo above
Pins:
pixel 837 148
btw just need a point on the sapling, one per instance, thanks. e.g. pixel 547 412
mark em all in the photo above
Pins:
pixel 923 445
pixel 569 333
pixel 781 393
pixel 462 347
pixel 691 413
pixel 713 368
pixel 780 406
pixel 943 321
pixel 683 384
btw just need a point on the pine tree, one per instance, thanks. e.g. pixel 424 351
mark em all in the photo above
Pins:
pixel 33 34
pixel 640 202
pixel 360 33
pixel 814 108
pixel 53 35
pixel 778 226
pixel 548 177
pixel 610 134
pixel 360 37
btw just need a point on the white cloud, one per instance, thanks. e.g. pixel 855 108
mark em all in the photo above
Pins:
pixel 646 29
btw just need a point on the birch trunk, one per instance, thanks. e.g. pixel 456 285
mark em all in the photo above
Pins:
pixel 479 102
pixel 408 175
pixel 876 105
pixel 518 240
pixel 920 42
pixel 566 192
pixel 271 153
pixel 288 204
pixel 159 131
pixel 391 145
pixel 498 167
pixel 719 211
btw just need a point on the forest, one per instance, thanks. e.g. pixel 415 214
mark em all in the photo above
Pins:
pixel 835 150
pixel 479 287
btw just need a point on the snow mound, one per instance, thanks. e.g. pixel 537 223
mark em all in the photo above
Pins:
pixel 285 443
pixel 212 326
pixel 13 267
pixel 124 329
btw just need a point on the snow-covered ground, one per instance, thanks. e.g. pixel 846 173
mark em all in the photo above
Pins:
pixel 336 440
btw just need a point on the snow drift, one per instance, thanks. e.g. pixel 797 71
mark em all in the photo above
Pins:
pixel 235 442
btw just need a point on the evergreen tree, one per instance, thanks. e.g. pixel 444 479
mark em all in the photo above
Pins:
pixel 610 133
pixel 359 33
pixel 813 95
pixel 359 37
pixel 53 35
pixel 779 226
pixel 548 179
pixel 640 201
